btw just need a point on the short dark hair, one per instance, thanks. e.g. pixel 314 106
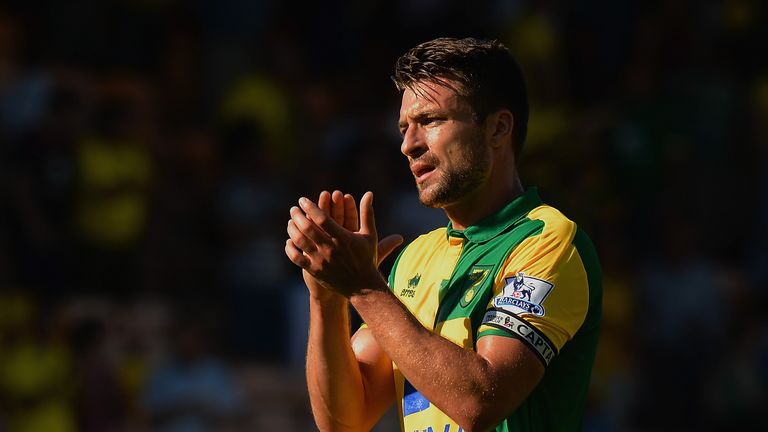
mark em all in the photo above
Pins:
pixel 487 74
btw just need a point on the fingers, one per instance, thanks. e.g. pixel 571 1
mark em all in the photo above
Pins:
pixel 341 207
pixel 299 239
pixel 332 204
pixel 387 245
pixel 295 255
pixel 367 221
pixel 337 210
pixel 351 221
pixel 318 218
pixel 324 201
pixel 309 231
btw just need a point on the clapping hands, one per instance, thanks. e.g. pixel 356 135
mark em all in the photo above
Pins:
pixel 337 247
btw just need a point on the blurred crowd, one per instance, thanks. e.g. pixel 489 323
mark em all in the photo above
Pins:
pixel 150 151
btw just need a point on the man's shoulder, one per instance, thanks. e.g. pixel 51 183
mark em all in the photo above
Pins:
pixel 428 241
pixel 413 254
pixel 553 222
pixel 552 230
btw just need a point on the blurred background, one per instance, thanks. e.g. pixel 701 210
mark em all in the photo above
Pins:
pixel 150 151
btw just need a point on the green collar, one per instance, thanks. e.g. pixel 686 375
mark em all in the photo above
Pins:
pixel 497 223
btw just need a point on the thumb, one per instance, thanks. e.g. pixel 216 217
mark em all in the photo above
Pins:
pixel 367 221
pixel 387 245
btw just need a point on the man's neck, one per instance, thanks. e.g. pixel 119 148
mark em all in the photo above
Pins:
pixel 483 203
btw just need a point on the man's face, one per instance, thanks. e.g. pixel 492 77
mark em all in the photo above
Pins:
pixel 446 149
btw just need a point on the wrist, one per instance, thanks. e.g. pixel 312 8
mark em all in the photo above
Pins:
pixel 374 285
pixel 328 299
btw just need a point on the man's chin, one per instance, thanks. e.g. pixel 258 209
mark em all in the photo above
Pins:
pixel 431 204
pixel 431 199
pixel 426 200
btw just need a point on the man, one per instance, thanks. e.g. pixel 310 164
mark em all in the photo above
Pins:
pixel 451 339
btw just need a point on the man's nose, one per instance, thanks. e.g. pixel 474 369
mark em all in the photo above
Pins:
pixel 413 144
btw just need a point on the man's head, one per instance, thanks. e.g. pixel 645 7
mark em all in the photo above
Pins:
pixel 481 71
pixel 463 107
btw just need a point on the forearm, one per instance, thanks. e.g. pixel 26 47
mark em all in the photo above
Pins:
pixel 334 380
pixel 345 260
pixel 428 360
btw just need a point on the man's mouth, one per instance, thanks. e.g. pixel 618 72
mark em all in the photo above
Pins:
pixel 421 171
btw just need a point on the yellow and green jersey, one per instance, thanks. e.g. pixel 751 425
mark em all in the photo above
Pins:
pixel 526 272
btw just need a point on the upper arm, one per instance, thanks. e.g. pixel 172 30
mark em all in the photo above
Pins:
pixel 377 374
pixel 515 369
pixel 540 300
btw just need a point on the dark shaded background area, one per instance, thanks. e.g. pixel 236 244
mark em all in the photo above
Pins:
pixel 150 151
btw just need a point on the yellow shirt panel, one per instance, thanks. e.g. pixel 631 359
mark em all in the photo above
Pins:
pixel 418 279
pixel 457 330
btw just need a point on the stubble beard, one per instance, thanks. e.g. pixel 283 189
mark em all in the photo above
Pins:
pixel 465 177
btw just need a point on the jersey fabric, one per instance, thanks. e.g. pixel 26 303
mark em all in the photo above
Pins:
pixel 526 272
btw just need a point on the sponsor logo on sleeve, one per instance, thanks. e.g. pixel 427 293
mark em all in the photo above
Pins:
pixel 523 294
pixel 522 330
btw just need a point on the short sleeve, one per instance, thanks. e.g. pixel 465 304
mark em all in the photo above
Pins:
pixel 541 294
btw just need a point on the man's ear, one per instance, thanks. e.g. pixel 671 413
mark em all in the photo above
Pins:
pixel 499 126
